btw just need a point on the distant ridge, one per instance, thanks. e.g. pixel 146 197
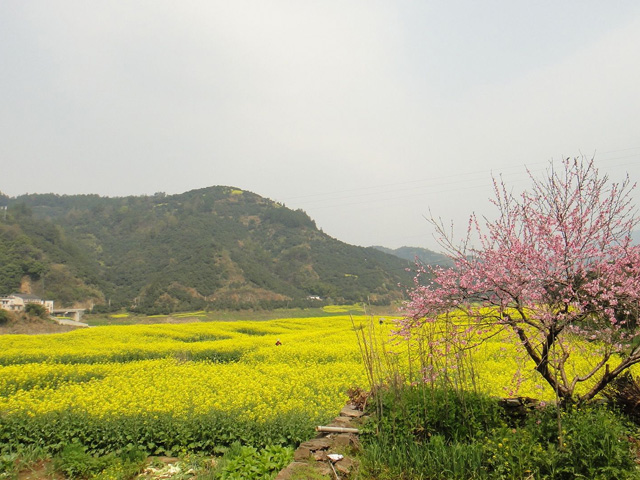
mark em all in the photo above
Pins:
pixel 423 255
pixel 429 257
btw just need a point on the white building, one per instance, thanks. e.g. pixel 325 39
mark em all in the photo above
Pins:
pixel 17 301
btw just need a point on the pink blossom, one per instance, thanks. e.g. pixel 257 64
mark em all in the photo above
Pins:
pixel 557 260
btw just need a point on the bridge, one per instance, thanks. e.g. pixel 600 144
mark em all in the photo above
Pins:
pixel 65 312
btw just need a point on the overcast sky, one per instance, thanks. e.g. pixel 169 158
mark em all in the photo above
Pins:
pixel 365 114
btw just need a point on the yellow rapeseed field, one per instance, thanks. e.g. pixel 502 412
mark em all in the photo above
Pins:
pixel 196 385
pixel 227 366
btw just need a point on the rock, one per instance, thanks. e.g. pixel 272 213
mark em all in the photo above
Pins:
pixel 318 443
pixel 349 411
pixel 291 469
pixel 301 453
pixel 343 440
pixel 306 449
pixel 324 468
pixel 345 465
pixel 310 458
pixel 341 422
pixel 320 456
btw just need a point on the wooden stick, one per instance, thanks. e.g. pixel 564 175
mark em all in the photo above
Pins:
pixel 334 470
pixel 337 429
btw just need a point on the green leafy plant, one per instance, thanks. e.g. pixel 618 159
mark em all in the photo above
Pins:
pixel 75 462
pixel 246 463
pixel 8 465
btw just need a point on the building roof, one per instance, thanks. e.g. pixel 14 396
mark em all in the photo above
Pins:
pixel 25 296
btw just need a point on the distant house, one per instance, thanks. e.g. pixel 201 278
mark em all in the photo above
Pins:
pixel 17 301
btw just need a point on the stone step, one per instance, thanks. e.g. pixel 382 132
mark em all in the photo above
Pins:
pixel 311 456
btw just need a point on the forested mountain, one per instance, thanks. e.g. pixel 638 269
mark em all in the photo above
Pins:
pixel 423 255
pixel 217 247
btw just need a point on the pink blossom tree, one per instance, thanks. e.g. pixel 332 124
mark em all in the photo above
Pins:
pixel 556 269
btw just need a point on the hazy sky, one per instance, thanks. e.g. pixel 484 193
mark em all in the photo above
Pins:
pixel 366 114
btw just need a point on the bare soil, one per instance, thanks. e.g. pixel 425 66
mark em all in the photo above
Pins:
pixel 25 325
pixel 41 470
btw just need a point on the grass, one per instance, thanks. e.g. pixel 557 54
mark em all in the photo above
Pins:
pixel 431 433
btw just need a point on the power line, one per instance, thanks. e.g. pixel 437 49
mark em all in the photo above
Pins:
pixel 501 169
pixel 390 193
pixel 327 200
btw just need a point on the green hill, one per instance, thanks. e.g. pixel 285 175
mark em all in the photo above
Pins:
pixel 217 247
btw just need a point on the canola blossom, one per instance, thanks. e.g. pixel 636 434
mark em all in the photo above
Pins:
pixel 228 375
pixel 198 386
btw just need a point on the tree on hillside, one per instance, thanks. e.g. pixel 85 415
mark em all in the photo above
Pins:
pixel 556 270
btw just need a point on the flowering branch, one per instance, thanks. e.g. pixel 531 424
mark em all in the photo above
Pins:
pixel 556 267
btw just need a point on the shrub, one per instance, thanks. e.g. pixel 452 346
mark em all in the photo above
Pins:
pixel 36 310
